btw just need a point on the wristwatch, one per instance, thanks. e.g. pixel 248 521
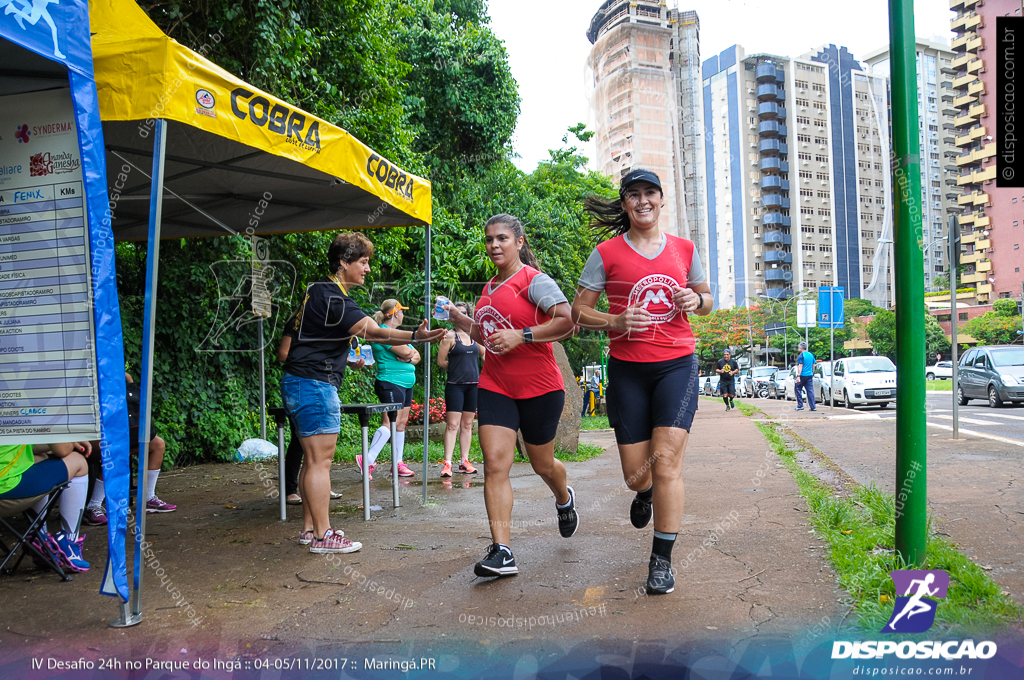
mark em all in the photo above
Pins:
pixel 527 335
pixel 701 305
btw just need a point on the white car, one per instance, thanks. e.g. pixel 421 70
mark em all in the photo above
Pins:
pixel 941 370
pixel 864 381
pixel 790 381
pixel 823 374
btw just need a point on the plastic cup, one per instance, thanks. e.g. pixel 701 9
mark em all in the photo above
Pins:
pixel 440 313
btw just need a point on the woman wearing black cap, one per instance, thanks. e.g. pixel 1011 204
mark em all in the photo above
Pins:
pixel 653 282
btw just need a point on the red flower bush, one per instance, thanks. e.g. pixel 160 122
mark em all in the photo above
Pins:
pixel 437 410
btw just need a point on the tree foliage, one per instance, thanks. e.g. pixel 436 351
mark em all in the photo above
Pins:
pixel 882 332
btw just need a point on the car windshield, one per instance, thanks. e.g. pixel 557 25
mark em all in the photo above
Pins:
pixel 764 371
pixel 1007 357
pixel 870 365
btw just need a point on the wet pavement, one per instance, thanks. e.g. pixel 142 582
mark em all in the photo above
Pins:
pixel 748 569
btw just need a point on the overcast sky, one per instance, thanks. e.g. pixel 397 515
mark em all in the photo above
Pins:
pixel 548 47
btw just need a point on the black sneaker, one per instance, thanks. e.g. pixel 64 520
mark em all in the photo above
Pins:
pixel 640 512
pixel 568 518
pixel 660 580
pixel 499 562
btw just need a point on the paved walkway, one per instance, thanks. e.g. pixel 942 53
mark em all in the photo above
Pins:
pixel 747 566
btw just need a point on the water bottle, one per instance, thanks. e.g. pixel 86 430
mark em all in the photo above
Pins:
pixel 440 313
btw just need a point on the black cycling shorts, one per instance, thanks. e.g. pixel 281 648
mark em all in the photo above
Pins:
pixel 459 398
pixel 643 396
pixel 387 393
pixel 537 417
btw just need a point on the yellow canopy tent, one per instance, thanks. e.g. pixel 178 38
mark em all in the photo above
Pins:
pixel 217 148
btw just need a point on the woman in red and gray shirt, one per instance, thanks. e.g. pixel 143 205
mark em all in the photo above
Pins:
pixel 654 281
pixel 521 312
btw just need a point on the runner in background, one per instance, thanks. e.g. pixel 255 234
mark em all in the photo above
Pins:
pixel 460 355
pixel 727 369
pixel 653 282
pixel 521 312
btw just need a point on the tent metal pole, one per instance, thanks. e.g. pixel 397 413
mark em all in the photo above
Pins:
pixel 148 330
pixel 263 382
pixel 427 311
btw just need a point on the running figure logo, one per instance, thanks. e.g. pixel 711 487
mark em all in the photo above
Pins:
pixel 32 11
pixel 912 613
pixel 654 294
pixel 490 320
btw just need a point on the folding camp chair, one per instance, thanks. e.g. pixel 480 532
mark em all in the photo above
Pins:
pixel 12 507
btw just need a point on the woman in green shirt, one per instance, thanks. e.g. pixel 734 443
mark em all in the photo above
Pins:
pixel 396 375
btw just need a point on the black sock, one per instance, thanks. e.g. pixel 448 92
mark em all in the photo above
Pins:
pixel 726 400
pixel 646 495
pixel 663 544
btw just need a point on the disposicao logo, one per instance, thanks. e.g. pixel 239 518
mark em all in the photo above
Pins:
pixel 22 134
pixel 914 612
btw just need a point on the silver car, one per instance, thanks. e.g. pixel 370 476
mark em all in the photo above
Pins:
pixel 993 373
pixel 756 383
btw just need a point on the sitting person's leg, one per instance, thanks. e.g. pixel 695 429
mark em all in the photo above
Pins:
pixel 95 515
pixel 292 465
pixel 154 461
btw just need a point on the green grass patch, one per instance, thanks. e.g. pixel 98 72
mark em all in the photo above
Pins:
pixel 939 385
pixel 414 452
pixel 594 423
pixel 860 532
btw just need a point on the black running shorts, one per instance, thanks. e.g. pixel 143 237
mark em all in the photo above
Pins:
pixel 643 396
pixel 727 388
pixel 459 398
pixel 388 393
pixel 537 417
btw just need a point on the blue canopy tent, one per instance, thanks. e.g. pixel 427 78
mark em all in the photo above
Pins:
pixel 45 48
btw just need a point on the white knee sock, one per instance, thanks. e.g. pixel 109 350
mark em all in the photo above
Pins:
pixel 380 438
pixel 38 509
pixel 151 476
pixel 399 445
pixel 98 495
pixel 72 504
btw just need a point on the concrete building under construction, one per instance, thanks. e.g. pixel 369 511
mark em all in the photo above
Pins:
pixel 647 104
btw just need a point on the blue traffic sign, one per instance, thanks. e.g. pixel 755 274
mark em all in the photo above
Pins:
pixel 830 307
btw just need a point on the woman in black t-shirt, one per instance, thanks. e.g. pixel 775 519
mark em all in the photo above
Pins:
pixel 316 362
pixel 460 355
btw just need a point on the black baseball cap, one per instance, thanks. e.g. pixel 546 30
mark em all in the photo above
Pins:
pixel 639 176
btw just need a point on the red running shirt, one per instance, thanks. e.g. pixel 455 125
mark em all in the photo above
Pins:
pixel 529 370
pixel 633 279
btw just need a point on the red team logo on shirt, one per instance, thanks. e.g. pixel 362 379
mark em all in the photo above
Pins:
pixel 491 320
pixel 654 294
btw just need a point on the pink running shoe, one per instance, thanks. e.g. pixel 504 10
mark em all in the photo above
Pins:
pixel 359 466
pixel 306 538
pixel 404 471
pixel 154 504
pixel 94 516
pixel 333 543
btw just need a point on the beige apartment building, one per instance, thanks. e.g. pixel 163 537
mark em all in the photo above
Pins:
pixel 646 101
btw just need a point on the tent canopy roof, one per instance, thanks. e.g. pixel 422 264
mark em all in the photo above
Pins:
pixel 237 157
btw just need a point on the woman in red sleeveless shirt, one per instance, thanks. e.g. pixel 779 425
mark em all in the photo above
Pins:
pixel 653 281
pixel 521 312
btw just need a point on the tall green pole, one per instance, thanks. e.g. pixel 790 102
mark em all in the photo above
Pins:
pixel 911 454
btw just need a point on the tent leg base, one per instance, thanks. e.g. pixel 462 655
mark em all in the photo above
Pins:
pixel 127 618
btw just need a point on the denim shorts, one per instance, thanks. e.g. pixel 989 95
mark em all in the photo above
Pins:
pixel 313 405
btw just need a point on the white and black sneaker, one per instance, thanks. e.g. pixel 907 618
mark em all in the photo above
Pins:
pixel 568 518
pixel 660 579
pixel 499 562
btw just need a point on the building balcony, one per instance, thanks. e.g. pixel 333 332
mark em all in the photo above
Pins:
pixel 766 73
pixel 770 128
pixel 773 147
pixel 767 92
pixel 771 110
pixel 962 40
pixel 974 45
pixel 976 88
pixel 778 237
pixel 775 183
pixel 964 120
pixel 775 201
pixel 778 256
pixel 962 60
pixel 978 110
pixel 774 165
pixel 779 293
pixel 964 80
pixel 960 102
pixel 780 220
pixel 975 65
pixel 778 275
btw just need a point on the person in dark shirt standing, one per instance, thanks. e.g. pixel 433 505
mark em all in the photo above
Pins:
pixel 727 369
pixel 323 328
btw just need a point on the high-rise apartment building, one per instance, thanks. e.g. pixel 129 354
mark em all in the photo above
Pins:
pixel 936 115
pixel 797 174
pixel 645 67
pixel 993 217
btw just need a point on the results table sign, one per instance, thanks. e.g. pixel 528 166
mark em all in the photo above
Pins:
pixel 48 386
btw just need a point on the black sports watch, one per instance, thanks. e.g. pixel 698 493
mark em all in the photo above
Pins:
pixel 527 335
